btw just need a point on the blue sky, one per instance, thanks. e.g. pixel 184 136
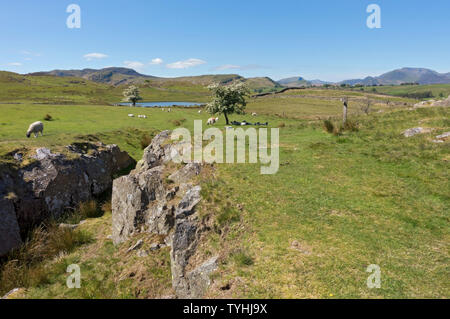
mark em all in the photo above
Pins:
pixel 326 40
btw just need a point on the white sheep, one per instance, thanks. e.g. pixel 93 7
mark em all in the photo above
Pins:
pixel 142 116
pixel 130 115
pixel 35 128
pixel 212 120
pixel 199 111
pixel 254 114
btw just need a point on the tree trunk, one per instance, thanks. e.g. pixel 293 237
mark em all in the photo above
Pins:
pixel 226 117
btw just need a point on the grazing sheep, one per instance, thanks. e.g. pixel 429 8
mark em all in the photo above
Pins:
pixel 131 115
pixel 254 114
pixel 169 110
pixel 142 116
pixel 35 128
pixel 199 111
pixel 212 120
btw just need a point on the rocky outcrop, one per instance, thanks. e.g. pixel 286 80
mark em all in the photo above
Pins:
pixel 152 199
pixel 52 183
pixel 416 130
pixel 427 103
pixel 445 102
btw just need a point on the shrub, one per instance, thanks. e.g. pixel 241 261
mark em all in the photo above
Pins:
pixel 106 207
pixel 281 125
pixel 48 117
pixel 242 259
pixel 418 95
pixel 329 126
pixel 178 122
pixel 89 209
pixel 145 141
pixel 350 125
pixel 228 214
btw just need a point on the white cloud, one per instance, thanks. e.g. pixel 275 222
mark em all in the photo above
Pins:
pixel 239 67
pixel 25 52
pixel 15 64
pixel 227 67
pixel 185 64
pixel 156 61
pixel 136 65
pixel 92 56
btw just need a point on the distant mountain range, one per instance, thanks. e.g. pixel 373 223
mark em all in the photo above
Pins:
pixel 395 77
pixel 404 75
pixel 124 76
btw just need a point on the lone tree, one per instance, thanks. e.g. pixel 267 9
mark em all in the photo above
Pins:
pixel 131 95
pixel 228 99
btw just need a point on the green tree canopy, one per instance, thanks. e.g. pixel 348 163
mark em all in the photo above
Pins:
pixel 228 99
pixel 131 95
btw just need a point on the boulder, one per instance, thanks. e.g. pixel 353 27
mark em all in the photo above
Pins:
pixel 9 227
pixel 445 102
pixel 443 136
pixel 53 183
pixel 416 130
pixel 143 203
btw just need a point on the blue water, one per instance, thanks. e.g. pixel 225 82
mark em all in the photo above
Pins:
pixel 163 104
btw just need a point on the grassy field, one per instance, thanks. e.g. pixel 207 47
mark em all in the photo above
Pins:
pixel 438 90
pixel 337 204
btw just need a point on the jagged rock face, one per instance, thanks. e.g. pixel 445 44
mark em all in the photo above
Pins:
pixel 141 203
pixel 53 183
pixel 9 228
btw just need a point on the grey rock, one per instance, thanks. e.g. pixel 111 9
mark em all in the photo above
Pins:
pixel 52 183
pixel 13 293
pixel 154 247
pixel 136 246
pixel 445 102
pixel 188 202
pixel 186 173
pixel 199 279
pixel 142 253
pixel 18 157
pixel 416 130
pixel 133 198
pixel 9 227
pixel 443 136
pixel 43 153
pixel 142 203
pixel 68 226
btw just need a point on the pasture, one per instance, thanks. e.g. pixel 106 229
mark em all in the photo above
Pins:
pixel 337 204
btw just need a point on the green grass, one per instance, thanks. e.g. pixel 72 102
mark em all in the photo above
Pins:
pixel 400 90
pixel 357 198
pixel 366 197
pixel 321 103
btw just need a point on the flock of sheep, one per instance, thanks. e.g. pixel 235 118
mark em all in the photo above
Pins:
pixel 38 127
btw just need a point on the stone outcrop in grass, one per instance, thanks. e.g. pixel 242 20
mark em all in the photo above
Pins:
pixel 416 130
pixel 155 199
pixel 53 183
